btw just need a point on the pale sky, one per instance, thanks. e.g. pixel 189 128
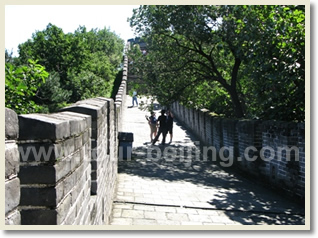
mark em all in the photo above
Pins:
pixel 23 20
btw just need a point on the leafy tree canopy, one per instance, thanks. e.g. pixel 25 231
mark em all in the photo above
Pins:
pixel 21 86
pixel 241 61
pixel 81 65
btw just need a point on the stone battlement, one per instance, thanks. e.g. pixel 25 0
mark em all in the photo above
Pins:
pixel 61 168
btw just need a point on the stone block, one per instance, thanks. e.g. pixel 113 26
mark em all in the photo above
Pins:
pixel 94 175
pixel 11 124
pixel 62 168
pixel 94 164
pixel 38 196
pixel 60 172
pixel 68 147
pixel 76 159
pixel 78 122
pixel 71 217
pixel 12 194
pixel 78 142
pixel 42 127
pixel 68 183
pixel 38 217
pixel 63 209
pixel 11 159
pixel 86 136
pixel 94 187
pixel 80 171
pixel 98 102
pixel 13 218
pixel 37 175
pixel 83 108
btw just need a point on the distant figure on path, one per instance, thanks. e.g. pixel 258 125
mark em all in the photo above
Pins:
pixel 152 121
pixel 169 124
pixel 134 99
pixel 162 121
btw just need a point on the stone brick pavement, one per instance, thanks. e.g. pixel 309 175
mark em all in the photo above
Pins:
pixel 172 185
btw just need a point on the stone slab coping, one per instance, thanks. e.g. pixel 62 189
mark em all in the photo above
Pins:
pixel 54 126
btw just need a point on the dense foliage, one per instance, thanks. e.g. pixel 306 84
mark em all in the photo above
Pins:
pixel 241 61
pixel 76 66
pixel 21 85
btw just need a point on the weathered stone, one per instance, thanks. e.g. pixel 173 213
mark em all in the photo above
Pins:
pixel 12 194
pixel 13 218
pixel 78 122
pixel 63 209
pixel 37 175
pixel 12 159
pixel 11 124
pixel 38 217
pixel 32 196
pixel 94 187
pixel 84 109
pixel 40 127
pixel 56 158
pixel 62 168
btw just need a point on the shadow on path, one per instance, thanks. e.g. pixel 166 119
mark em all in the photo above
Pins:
pixel 218 188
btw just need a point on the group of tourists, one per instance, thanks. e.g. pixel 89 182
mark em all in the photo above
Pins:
pixel 158 126
pixel 161 125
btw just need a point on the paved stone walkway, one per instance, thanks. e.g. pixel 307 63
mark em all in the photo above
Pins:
pixel 172 185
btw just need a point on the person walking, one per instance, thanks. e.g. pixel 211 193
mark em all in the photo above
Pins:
pixel 152 121
pixel 162 122
pixel 134 99
pixel 169 124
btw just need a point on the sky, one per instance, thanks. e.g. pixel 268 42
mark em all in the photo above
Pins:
pixel 21 21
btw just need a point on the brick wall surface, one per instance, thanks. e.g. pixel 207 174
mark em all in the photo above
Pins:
pixel 54 172
pixel 66 163
pixel 272 151
pixel 249 146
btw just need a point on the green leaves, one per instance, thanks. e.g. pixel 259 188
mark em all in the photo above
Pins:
pixel 235 60
pixel 93 56
pixel 22 84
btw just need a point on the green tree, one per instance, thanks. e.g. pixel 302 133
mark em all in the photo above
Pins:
pixel 51 95
pixel 82 64
pixel 211 55
pixel 22 86
pixel 277 63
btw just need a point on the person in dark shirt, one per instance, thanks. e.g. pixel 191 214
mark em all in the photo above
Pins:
pixel 162 122
pixel 169 124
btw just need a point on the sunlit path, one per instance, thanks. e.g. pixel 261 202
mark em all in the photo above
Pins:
pixel 173 185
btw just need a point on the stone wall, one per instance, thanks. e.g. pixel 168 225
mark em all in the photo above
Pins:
pixel 61 168
pixel 12 182
pixel 273 152
pixel 55 168
pixel 122 91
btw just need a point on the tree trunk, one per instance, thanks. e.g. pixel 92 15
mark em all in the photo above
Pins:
pixel 237 105
pixel 231 89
